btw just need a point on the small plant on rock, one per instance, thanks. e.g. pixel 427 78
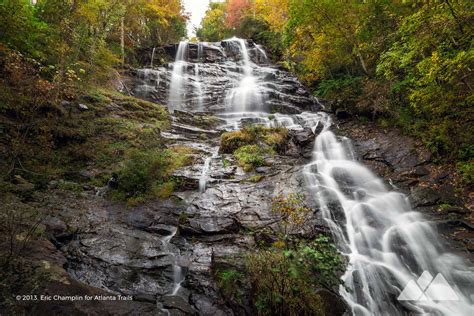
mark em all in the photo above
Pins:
pixel 251 156
pixel 292 212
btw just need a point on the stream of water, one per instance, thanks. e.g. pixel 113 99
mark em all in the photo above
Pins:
pixel 387 244
pixel 178 78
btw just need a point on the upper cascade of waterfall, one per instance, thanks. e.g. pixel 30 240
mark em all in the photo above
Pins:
pixel 182 53
pixel 233 75
pixel 245 55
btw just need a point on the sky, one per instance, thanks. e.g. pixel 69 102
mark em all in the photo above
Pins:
pixel 196 9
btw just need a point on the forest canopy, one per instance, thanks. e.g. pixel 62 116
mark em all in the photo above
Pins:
pixel 85 39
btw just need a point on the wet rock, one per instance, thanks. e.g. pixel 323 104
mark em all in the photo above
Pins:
pixel 188 129
pixel 334 305
pixel 206 307
pixel 56 230
pixel 421 171
pixel 300 143
pixel 144 298
pixel 212 225
pixel 219 66
pixel 263 169
pixel 424 196
pixel 178 302
pixel 161 229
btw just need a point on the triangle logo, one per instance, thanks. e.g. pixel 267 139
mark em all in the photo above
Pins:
pixel 440 290
pixel 428 289
pixel 411 292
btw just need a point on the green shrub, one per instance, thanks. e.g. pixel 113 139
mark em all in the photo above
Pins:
pixel 230 141
pixel 286 282
pixel 148 173
pixel 251 156
pixel 467 171
pixel 256 178
pixel 229 282
pixel 273 137
pixel 141 171
pixel 346 87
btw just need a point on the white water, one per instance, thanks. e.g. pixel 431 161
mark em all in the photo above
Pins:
pixel 152 57
pixel 198 89
pixel 262 53
pixel 205 170
pixel 151 79
pixel 200 51
pixel 178 275
pixel 178 78
pixel 386 242
pixel 247 96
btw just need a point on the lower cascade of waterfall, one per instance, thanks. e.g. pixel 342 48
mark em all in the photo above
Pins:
pixel 387 244
pixel 397 264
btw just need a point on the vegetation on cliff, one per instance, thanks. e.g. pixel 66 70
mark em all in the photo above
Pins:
pixel 58 64
pixel 252 143
pixel 287 276
pixel 402 63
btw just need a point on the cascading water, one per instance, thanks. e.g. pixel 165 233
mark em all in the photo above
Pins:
pixel 205 170
pixel 386 242
pixel 178 78
pixel 151 79
pixel 198 89
pixel 152 57
pixel 200 51
pixel 178 275
pixel 262 54
pixel 247 96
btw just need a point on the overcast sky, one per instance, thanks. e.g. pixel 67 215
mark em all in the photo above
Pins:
pixel 196 9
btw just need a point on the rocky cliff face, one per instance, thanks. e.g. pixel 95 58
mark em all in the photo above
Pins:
pixel 214 69
pixel 164 252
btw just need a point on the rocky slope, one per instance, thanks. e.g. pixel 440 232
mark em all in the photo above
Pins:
pixel 165 251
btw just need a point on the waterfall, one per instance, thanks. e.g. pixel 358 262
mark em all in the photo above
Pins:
pixel 262 53
pixel 178 275
pixel 200 53
pixel 152 57
pixel 178 78
pixel 205 170
pixel 245 56
pixel 247 96
pixel 198 88
pixel 151 79
pixel 386 242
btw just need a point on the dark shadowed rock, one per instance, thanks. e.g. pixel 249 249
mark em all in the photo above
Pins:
pixel 300 143
pixel 342 114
